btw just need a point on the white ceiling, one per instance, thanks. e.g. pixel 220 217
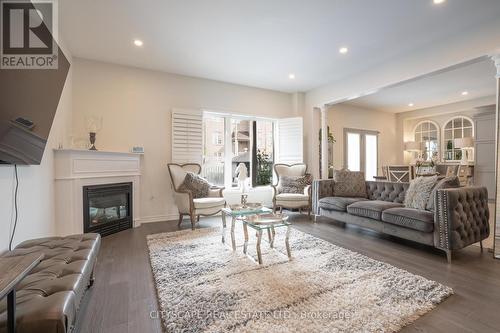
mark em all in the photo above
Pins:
pixel 446 87
pixel 259 42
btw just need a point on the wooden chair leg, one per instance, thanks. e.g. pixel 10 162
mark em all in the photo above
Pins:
pixel 180 219
pixel 481 245
pixel 193 220
pixel 198 218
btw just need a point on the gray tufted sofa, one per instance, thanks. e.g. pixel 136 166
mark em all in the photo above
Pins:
pixel 48 299
pixel 460 217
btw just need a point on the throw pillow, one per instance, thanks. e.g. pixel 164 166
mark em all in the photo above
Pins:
pixel 294 184
pixel 349 183
pixel 448 182
pixel 198 186
pixel 419 191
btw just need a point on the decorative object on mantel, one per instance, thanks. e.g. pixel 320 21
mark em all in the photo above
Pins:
pixel 138 150
pixel 466 145
pixel 94 125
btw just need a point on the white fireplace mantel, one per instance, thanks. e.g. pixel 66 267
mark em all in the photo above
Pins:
pixel 75 169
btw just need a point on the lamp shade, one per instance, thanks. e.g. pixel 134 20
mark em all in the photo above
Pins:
pixel 467 142
pixel 413 146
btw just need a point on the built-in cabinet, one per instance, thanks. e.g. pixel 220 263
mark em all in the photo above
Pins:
pixel 484 170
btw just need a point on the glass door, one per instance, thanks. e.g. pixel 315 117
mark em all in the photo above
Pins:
pixel 361 151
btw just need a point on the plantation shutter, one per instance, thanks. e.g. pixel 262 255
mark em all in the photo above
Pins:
pixel 290 140
pixel 187 136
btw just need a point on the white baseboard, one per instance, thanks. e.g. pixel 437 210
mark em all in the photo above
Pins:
pixel 157 218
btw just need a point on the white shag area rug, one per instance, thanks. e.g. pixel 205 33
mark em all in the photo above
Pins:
pixel 203 286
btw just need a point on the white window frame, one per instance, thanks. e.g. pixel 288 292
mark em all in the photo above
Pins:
pixel 228 117
pixel 438 129
pixel 217 139
pixel 443 140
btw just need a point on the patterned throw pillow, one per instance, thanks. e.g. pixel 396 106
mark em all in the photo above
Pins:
pixel 198 186
pixel 448 182
pixel 349 183
pixel 419 191
pixel 294 184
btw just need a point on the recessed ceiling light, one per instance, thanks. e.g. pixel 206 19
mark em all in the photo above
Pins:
pixel 465 93
pixel 343 50
pixel 411 104
pixel 291 76
pixel 138 42
pixel 437 2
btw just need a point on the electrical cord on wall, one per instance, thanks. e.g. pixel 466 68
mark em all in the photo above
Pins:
pixel 15 208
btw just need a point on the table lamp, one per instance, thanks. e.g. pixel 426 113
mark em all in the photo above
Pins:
pixel 465 144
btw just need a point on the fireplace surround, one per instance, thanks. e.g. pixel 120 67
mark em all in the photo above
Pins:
pixel 77 169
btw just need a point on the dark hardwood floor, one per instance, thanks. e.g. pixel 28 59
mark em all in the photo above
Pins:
pixel 124 294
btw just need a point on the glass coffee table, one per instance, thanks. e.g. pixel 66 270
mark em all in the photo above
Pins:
pixel 269 222
pixel 238 212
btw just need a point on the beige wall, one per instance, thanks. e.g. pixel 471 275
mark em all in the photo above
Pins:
pixel 407 121
pixel 136 108
pixel 343 115
pixel 36 183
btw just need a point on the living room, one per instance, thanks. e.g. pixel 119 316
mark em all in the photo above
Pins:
pixel 167 130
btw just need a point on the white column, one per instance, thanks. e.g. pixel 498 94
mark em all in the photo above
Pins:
pixel 496 59
pixel 324 142
pixel 228 154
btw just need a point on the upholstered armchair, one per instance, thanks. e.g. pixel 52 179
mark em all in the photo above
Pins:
pixel 285 199
pixel 184 199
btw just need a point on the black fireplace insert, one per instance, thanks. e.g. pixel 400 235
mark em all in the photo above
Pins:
pixel 107 208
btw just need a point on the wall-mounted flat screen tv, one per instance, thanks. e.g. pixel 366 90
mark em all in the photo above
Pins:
pixel 33 72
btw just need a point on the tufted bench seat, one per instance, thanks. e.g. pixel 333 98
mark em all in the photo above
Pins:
pixel 459 219
pixel 49 298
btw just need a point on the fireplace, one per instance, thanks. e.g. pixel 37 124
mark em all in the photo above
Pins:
pixel 107 208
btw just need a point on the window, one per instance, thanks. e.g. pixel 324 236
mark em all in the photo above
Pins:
pixel 427 134
pixel 361 151
pixel 231 140
pixel 213 151
pixel 456 128
pixel 217 138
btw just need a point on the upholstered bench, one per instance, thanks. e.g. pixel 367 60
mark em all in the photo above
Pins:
pixel 49 298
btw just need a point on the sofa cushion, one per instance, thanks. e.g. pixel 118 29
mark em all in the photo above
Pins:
pixel 194 183
pixel 292 197
pixel 338 203
pixel 372 208
pixel 349 183
pixel 448 182
pixel 294 184
pixel 416 219
pixel 209 202
pixel 419 192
